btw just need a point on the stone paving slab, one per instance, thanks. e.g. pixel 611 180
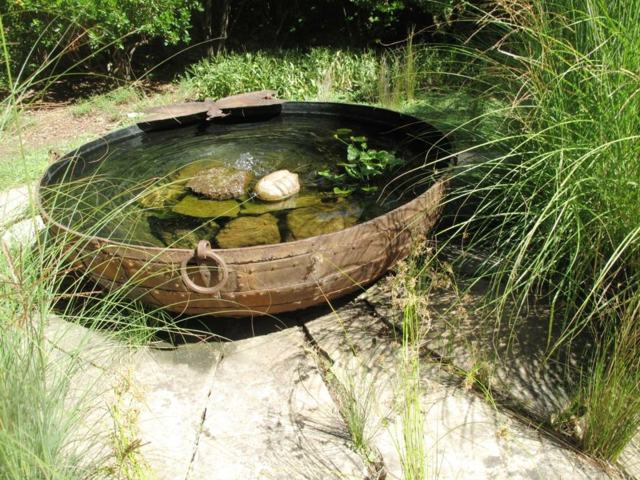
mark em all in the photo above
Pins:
pixel 165 390
pixel 94 366
pixel 467 438
pixel 173 390
pixel 364 359
pixel 15 202
pixel 519 369
pixel 24 232
pixel 92 347
pixel 259 408
pixel 270 416
pixel 464 436
pixel 630 458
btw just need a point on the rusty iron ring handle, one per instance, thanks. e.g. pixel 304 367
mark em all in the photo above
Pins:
pixel 202 252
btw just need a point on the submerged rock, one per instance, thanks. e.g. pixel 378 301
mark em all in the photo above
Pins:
pixel 189 171
pixel 159 196
pixel 321 219
pixel 277 186
pixel 132 227
pixel 220 183
pixel 257 207
pixel 249 231
pixel 193 206
pixel 188 238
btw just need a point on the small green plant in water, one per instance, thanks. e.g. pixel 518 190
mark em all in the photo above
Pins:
pixel 363 165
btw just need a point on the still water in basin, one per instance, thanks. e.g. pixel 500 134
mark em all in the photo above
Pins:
pixel 139 190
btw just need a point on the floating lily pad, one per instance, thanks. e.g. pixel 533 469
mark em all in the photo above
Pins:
pixel 220 183
pixel 258 207
pixel 249 231
pixel 193 206
pixel 321 219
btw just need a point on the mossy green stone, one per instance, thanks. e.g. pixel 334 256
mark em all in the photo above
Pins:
pixel 220 183
pixel 258 207
pixel 320 219
pixel 249 231
pixel 159 196
pixel 186 238
pixel 193 206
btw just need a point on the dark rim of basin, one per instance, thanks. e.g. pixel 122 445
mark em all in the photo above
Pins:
pixel 422 131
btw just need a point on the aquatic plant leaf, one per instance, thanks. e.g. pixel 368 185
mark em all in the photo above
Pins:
pixel 362 165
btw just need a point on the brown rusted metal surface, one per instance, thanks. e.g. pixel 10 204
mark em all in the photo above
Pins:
pixel 263 102
pixel 265 279
pixel 249 99
pixel 174 115
pixel 268 279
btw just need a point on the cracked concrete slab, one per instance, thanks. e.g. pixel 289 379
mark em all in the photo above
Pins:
pixel 270 416
pixel 174 387
pixel 87 366
pixel 463 435
pixel 519 367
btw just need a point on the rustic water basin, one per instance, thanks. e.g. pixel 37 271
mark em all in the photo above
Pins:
pixel 140 222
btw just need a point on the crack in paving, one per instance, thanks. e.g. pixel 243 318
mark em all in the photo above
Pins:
pixel 501 400
pixel 203 418
pixel 376 469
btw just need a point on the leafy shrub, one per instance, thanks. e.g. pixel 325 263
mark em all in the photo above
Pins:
pixel 295 75
pixel 49 32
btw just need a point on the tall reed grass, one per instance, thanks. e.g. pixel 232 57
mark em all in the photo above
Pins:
pixel 42 406
pixel 410 293
pixel 557 212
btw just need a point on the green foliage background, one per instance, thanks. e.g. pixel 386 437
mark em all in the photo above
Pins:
pixel 294 75
pixel 57 33
pixel 103 35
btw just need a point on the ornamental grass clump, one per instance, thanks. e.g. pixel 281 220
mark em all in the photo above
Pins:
pixel 558 210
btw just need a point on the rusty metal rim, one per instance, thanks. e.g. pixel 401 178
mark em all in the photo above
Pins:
pixel 272 291
pixel 188 253
pixel 234 302
pixel 182 252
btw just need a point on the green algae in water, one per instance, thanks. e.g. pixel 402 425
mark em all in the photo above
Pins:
pixel 135 190
pixel 249 231
pixel 258 207
pixel 192 206
pixel 320 219
pixel 179 235
pixel 161 196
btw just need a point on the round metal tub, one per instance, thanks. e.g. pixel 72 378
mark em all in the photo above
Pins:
pixel 263 279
